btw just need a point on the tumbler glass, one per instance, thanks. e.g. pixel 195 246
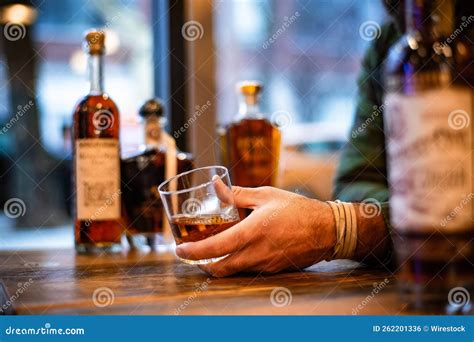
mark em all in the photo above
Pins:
pixel 199 204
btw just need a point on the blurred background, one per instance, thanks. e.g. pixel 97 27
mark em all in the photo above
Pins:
pixel 307 53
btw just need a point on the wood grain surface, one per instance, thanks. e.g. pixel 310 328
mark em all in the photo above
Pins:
pixel 138 283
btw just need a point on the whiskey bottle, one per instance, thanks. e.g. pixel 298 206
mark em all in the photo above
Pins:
pixel 96 160
pixel 251 143
pixel 429 138
pixel 143 171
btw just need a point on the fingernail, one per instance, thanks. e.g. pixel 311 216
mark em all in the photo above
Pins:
pixel 215 177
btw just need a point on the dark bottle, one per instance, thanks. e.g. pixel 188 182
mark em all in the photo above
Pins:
pixel 143 171
pixel 429 138
pixel 96 155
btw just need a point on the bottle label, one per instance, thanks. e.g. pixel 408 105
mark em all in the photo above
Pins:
pixel 98 179
pixel 430 159
pixel 257 157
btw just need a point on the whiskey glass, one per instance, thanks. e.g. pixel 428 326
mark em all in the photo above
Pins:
pixel 199 204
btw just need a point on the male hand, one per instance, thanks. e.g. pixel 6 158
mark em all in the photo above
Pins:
pixel 285 231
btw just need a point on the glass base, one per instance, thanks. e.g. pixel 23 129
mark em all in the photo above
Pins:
pixel 100 247
pixel 202 261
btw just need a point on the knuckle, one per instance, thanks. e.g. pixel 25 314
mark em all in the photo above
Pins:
pixel 266 190
pixel 239 237
pixel 242 238
pixel 237 190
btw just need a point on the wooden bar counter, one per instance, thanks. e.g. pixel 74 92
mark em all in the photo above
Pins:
pixel 137 283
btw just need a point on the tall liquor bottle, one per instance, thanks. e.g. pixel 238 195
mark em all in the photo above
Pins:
pixel 251 143
pixel 429 138
pixel 96 160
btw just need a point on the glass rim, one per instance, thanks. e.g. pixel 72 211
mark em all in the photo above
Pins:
pixel 202 185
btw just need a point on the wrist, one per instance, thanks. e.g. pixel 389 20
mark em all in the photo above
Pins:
pixel 375 246
pixel 324 230
pixel 331 231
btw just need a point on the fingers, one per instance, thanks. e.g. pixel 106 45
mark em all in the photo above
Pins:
pixel 235 263
pixel 250 197
pixel 226 242
pixel 223 192
pixel 241 197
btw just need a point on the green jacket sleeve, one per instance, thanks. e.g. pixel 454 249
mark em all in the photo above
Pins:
pixel 362 172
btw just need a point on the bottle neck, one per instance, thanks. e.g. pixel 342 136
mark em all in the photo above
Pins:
pixel 154 127
pixel 431 17
pixel 249 107
pixel 96 74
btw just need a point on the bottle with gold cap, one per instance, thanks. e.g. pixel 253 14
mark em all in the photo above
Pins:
pixel 96 172
pixel 251 143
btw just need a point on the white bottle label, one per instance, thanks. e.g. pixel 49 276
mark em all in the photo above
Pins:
pixel 430 159
pixel 97 179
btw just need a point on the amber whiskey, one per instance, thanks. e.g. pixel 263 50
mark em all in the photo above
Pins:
pixel 191 229
pixel 96 159
pixel 251 144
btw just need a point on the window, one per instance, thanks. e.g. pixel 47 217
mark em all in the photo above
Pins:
pixel 62 78
pixel 306 52
pixel 43 61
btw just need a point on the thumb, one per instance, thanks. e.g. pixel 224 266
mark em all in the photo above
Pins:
pixel 241 197
pixel 251 198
